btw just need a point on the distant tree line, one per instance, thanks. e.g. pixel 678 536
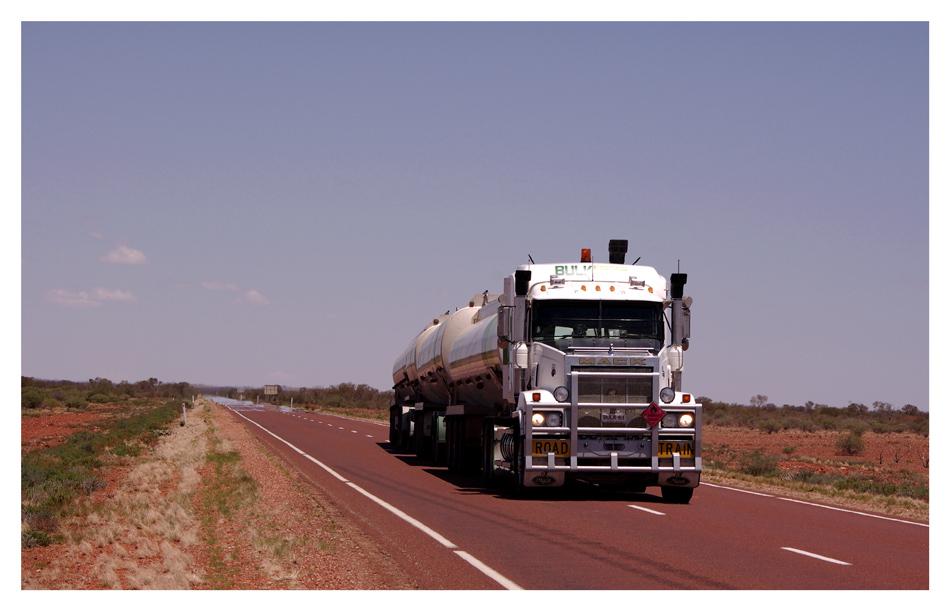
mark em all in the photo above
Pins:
pixel 344 395
pixel 58 393
pixel 880 417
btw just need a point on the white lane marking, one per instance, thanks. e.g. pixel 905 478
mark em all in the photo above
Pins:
pixel 860 513
pixel 870 515
pixel 646 510
pixel 370 436
pixel 405 516
pixel 481 566
pixel 825 558
pixel 738 490
pixel 498 577
pixel 352 431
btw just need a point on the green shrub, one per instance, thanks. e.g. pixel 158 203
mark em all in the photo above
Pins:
pixel 75 400
pixel 772 425
pixel 759 465
pixel 810 477
pixel 857 426
pixel 850 443
pixel 32 398
pixel 34 538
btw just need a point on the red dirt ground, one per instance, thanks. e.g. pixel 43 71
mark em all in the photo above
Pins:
pixel 47 428
pixel 885 455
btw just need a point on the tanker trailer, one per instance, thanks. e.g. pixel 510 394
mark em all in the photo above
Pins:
pixel 574 372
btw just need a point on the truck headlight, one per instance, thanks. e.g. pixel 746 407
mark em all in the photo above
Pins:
pixel 667 395
pixel 546 418
pixel 686 420
pixel 561 394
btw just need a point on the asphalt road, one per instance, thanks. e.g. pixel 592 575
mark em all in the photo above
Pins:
pixel 451 533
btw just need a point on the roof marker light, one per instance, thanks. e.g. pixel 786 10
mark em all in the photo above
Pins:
pixel 585 255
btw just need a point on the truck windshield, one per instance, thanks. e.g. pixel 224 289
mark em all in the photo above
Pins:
pixel 567 324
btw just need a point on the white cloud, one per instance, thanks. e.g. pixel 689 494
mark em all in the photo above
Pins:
pixel 214 285
pixel 87 299
pixel 125 255
pixel 69 299
pixel 116 295
pixel 252 297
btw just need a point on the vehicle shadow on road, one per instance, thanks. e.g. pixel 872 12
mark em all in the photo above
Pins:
pixel 473 484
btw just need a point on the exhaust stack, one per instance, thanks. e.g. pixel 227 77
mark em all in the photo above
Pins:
pixel 618 251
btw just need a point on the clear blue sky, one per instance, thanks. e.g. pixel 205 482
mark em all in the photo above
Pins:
pixel 290 203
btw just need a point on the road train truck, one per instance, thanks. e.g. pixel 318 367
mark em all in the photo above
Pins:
pixel 574 372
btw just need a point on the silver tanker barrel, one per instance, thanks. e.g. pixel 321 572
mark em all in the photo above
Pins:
pixel 475 363
pixel 433 352
pixel 406 384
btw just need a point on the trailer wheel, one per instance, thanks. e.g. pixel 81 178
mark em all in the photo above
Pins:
pixel 673 494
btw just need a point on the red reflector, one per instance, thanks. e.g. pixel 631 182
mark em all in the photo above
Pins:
pixel 585 255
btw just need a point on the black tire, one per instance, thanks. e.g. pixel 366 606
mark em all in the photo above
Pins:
pixel 674 494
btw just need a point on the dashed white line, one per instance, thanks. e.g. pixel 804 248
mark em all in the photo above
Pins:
pixel 647 510
pixel 811 555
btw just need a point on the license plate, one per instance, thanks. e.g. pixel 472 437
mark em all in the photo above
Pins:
pixel 613 419
pixel 668 448
pixel 560 447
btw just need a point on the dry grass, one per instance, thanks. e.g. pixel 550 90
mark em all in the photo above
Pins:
pixel 207 508
pixel 137 535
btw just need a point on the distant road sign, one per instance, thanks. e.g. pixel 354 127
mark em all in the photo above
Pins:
pixel 271 389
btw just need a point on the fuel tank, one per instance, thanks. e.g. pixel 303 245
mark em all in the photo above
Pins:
pixel 455 359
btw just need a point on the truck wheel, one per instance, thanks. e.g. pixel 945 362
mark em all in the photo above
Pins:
pixel 672 494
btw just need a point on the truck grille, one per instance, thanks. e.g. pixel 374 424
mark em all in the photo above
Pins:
pixel 613 389
pixel 593 417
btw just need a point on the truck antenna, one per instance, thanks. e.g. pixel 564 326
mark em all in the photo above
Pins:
pixel 530 259
pixel 638 258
